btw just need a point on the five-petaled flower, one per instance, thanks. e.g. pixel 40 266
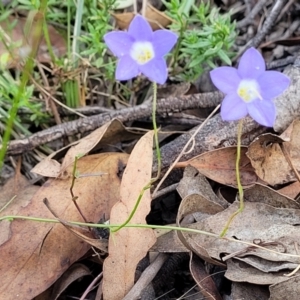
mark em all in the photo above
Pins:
pixel 140 50
pixel 249 89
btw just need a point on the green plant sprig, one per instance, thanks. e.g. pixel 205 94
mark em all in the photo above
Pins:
pixel 205 37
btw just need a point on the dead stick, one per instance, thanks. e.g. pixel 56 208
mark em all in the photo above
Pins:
pixel 164 106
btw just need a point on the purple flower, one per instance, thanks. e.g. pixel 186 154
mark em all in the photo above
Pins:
pixel 249 89
pixel 140 50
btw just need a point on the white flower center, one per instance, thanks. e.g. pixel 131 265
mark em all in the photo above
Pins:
pixel 248 90
pixel 142 52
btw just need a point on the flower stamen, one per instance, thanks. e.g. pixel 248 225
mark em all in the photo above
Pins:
pixel 248 90
pixel 142 52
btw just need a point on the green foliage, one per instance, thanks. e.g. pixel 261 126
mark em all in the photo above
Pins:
pixel 205 37
pixel 9 88
pixel 97 24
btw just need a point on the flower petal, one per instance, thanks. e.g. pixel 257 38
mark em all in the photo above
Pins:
pixel 163 41
pixel 140 29
pixel 226 79
pixel 272 84
pixel 263 112
pixel 251 64
pixel 127 68
pixel 156 70
pixel 119 42
pixel 233 108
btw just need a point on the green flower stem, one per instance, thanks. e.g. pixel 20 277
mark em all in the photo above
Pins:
pixel 238 179
pixel 158 155
pixel 237 165
pixel 182 229
pixel 37 33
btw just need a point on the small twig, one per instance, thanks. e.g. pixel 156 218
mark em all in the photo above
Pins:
pixel 146 277
pixel 269 23
pixel 91 286
pixel 249 19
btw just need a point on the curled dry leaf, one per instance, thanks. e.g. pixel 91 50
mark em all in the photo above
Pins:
pixel 274 157
pixel 33 247
pixel 239 271
pixel 75 272
pixel 110 133
pixel 204 281
pixel 263 194
pixel 129 245
pixel 273 228
pixel 199 202
pixel 219 165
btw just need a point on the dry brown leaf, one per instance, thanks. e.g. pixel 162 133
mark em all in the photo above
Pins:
pixel 219 165
pixel 75 272
pixel 168 242
pixel 272 227
pixel 242 272
pixel 18 191
pixel 204 281
pixel 34 247
pixel 288 289
pixel 129 245
pixel 264 194
pixel 270 154
pixel 194 182
pixel 110 133
pixel 244 290
pixel 156 18
pixel 292 190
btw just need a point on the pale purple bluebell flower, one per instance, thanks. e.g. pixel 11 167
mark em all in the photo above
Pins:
pixel 141 50
pixel 249 89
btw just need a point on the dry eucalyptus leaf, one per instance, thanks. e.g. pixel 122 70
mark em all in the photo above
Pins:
pixel 110 133
pixel 129 245
pixel 33 247
pixel 257 222
pixel 156 18
pixel 288 104
pixel 204 281
pixel 292 190
pixel 169 243
pixel 200 201
pixel 219 165
pixel 264 265
pixel 244 290
pixel 19 192
pixel 239 271
pixel 287 289
pixel 75 272
pixel 264 194
pixel 194 182
pixel 272 156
